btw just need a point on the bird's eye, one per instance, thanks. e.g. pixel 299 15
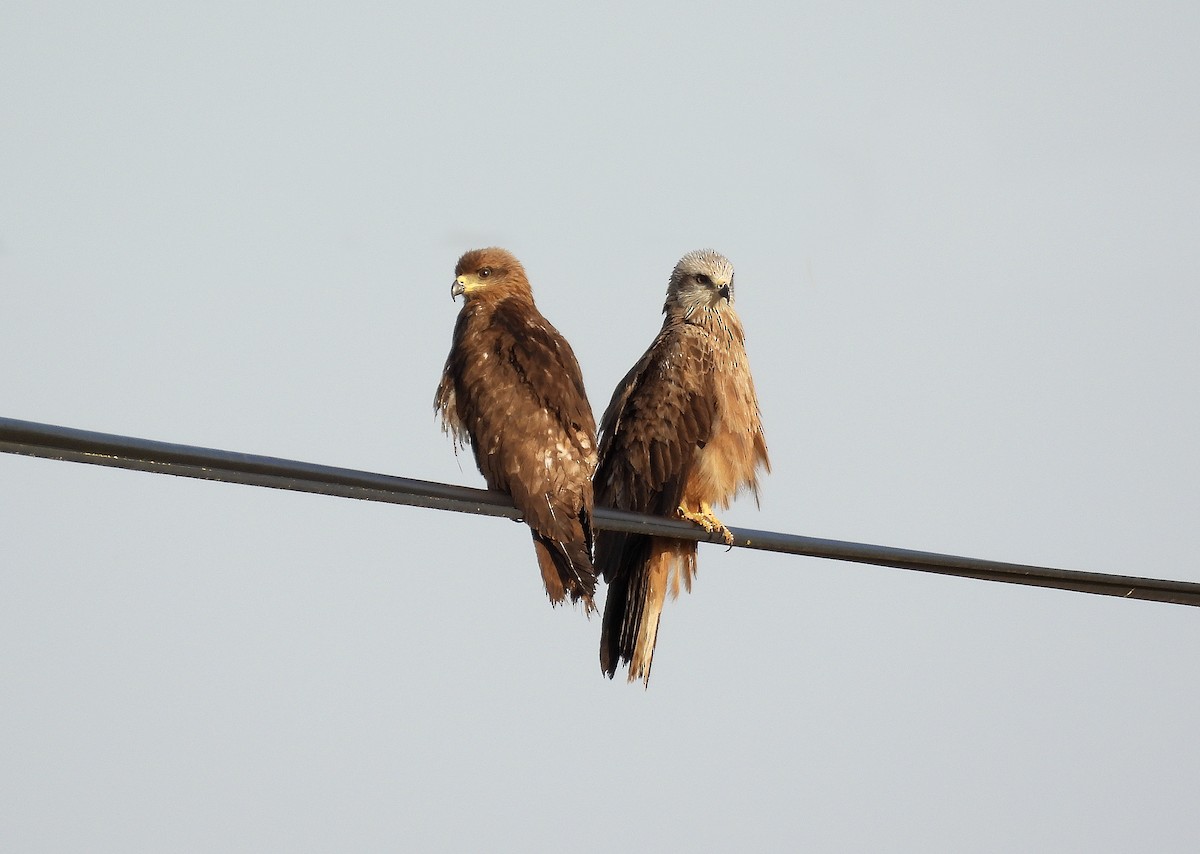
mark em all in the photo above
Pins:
pixel 485 272
pixel 702 279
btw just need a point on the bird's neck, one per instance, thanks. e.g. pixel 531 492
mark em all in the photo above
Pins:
pixel 720 320
pixel 482 308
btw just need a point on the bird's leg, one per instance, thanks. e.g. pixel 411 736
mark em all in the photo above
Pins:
pixel 706 519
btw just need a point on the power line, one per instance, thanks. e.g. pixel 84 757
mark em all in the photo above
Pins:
pixel 81 446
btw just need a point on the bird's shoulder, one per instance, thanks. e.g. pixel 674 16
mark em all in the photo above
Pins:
pixel 543 365
pixel 666 393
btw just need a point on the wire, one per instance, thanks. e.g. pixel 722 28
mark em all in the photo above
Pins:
pixel 81 446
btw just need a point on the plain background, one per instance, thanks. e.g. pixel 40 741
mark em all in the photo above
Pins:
pixel 967 255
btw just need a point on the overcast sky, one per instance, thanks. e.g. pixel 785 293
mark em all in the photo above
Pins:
pixel 966 238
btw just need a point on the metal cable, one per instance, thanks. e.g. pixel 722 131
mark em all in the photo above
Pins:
pixel 65 443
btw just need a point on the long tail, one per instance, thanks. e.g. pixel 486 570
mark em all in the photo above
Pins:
pixel 652 567
pixel 566 571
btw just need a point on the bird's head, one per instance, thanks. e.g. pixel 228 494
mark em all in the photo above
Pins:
pixel 492 272
pixel 701 281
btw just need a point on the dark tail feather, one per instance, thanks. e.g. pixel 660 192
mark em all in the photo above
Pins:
pixel 566 571
pixel 651 568
pixel 621 557
pixel 616 607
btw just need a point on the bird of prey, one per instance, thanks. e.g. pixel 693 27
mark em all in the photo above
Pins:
pixel 512 389
pixel 681 434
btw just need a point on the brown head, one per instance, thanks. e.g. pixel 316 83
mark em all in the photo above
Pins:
pixel 489 273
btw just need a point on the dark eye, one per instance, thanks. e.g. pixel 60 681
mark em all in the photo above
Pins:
pixel 485 272
pixel 702 279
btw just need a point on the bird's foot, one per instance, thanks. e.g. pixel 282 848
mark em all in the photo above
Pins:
pixel 706 519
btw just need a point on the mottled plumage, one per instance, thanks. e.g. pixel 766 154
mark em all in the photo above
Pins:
pixel 512 389
pixel 681 434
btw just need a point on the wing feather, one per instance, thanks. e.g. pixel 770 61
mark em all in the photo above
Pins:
pixel 513 386
pixel 660 414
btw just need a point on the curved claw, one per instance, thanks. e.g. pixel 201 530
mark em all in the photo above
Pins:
pixel 706 519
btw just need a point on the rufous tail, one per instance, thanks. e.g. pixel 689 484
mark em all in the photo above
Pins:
pixel 635 602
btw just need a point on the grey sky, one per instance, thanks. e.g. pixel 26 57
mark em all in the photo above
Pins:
pixel 966 244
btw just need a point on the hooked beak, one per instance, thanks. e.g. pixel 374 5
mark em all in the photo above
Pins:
pixel 725 292
pixel 457 289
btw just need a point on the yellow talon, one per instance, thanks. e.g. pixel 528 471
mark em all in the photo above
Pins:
pixel 707 520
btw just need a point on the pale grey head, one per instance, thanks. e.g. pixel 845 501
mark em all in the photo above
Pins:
pixel 702 280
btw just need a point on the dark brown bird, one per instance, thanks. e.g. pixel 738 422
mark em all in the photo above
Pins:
pixel 681 434
pixel 512 389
